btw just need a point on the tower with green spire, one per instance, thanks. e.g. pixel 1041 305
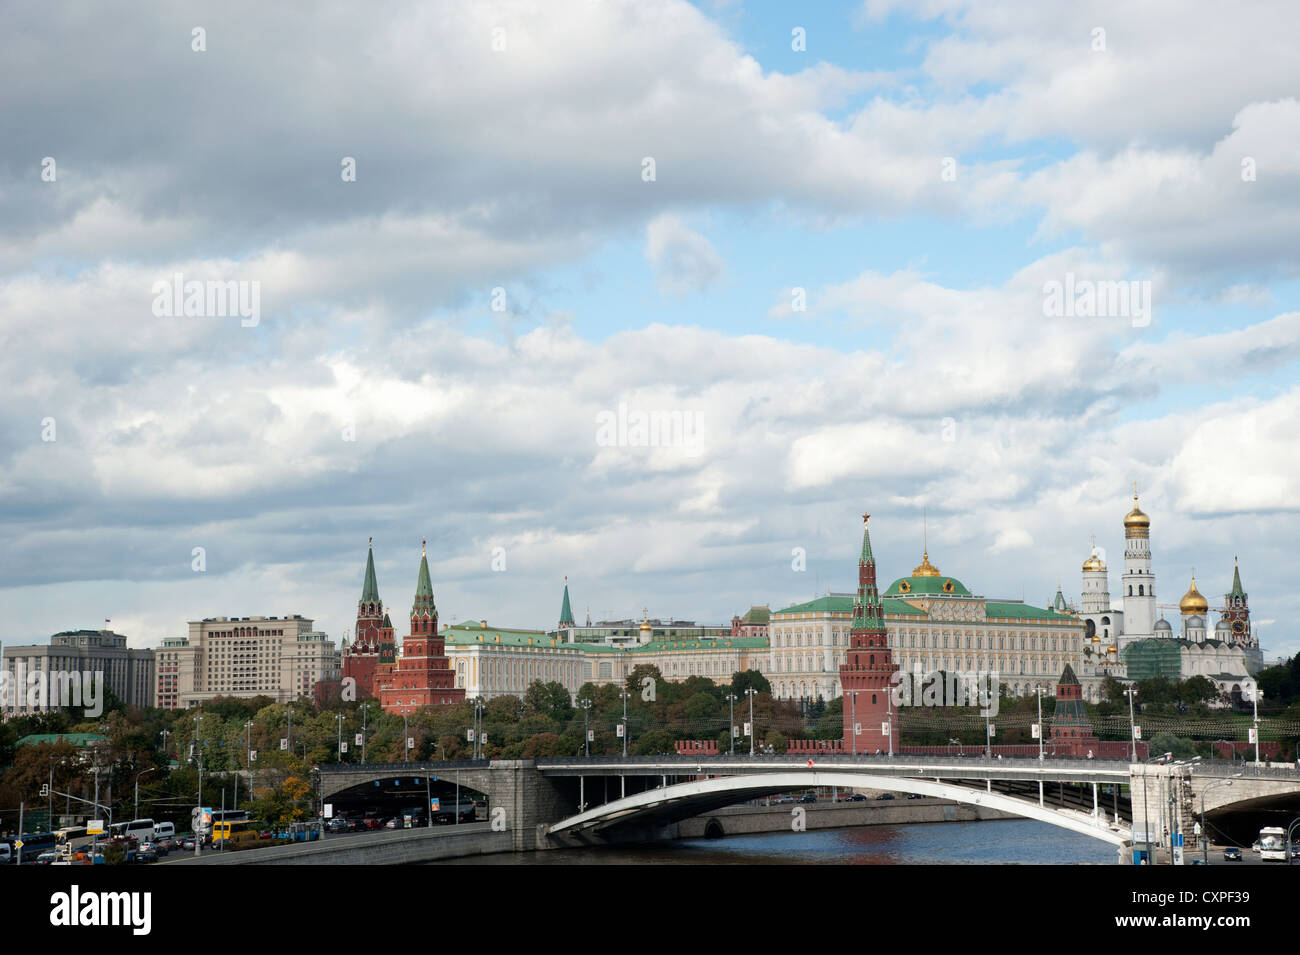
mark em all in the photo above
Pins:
pixel 566 613
pixel 422 675
pixel 1236 610
pixel 870 724
pixel 372 641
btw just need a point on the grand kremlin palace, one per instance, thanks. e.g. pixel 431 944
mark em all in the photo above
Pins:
pixel 933 622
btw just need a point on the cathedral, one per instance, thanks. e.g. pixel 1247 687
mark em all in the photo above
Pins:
pixel 421 674
pixel 1138 643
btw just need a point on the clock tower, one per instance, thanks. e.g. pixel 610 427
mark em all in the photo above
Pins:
pixel 1236 610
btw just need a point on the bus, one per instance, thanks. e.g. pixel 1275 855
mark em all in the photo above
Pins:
pixel 1272 844
pixel 202 820
pixel 234 829
pixel 141 830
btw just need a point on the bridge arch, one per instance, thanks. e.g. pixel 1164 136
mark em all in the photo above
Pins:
pixel 696 797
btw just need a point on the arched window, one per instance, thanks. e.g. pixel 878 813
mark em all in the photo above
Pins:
pixel 1140 594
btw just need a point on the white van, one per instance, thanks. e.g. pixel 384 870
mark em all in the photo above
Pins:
pixel 164 830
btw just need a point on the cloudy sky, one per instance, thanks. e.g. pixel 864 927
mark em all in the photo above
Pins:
pixel 817 240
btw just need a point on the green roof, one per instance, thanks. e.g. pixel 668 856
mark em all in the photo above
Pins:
pixel 423 604
pixel 834 603
pixel 1236 582
pixel 76 739
pixel 1021 611
pixel 469 634
pixel 566 614
pixel 1147 659
pixel 370 588
pixel 757 615
pixel 927 585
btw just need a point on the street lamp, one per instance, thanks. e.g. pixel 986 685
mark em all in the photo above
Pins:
pixel 1205 832
pixel 143 772
pixel 731 721
pixel 585 703
pixel 753 730
pixel 626 695
pixel 1132 731
pixel 853 718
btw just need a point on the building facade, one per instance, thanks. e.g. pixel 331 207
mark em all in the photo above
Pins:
pixel 932 622
pixel 244 657
pixel 127 672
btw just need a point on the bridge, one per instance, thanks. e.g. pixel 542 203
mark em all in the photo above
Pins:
pixel 556 801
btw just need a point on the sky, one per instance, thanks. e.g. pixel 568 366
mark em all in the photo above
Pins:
pixel 824 250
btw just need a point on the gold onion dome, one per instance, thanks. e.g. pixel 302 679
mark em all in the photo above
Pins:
pixel 925 568
pixel 1094 562
pixel 1192 601
pixel 1135 519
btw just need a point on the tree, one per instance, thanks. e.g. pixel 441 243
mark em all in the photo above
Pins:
pixel 742 681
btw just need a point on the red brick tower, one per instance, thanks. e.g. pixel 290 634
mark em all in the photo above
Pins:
pixel 1071 728
pixel 423 675
pixel 363 656
pixel 866 676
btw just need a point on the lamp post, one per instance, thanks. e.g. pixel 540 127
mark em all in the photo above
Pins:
pixel 753 730
pixel 1132 731
pixel 365 707
pixel 585 703
pixel 142 772
pixel 853 719
pixel 339 718
pixel 406 739
pixel 1255 700
pixel 625 695
pixel 1205 832
pixel 289 711
pixel 731 721
pixel 198 751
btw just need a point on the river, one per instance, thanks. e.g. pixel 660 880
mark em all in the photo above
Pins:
pixel 1001 842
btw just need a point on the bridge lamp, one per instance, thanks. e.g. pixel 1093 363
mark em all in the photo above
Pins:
pixel 1205 833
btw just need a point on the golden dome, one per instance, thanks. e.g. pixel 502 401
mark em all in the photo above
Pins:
pixel 1192 601
pixel 1135 521
pixel 925 568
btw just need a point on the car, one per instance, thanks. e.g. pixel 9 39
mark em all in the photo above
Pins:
pixel 339 824
pixel 808 797
pixel 46 857
pixel 885 796
pixel 142 856
pixel 188 844
pixel 858 797
pixel 915 796
pixel 1232 854
pixel 157 848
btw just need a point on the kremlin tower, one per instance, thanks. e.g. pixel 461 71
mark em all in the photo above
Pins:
pixel 422 676
pixel 374 642
pixel 867 673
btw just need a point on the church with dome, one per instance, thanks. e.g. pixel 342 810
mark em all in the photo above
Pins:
pixel 1136 642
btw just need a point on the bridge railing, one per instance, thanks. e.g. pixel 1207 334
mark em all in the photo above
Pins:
pixel 431 766
pixel 690 762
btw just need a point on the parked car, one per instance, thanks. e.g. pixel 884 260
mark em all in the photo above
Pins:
pixel 808 797
pixel 885 796
pixel 858 797
pixel 1232 854
pixel 915 796
pixel 265 834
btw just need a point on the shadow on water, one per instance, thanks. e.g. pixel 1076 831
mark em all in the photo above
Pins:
pixel 1002 842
